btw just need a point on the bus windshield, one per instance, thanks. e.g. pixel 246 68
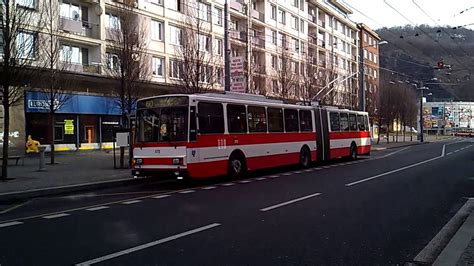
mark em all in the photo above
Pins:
pixel 162 123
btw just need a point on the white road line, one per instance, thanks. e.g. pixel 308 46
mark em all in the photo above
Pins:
pixel 395 152
pixel 245 181
pixel 209 188
pixel 131 202
pixel 10 224
pixel 147 245
pixel 161 196
pixel 260 178
pixel 443 151
pixel 449 153
pixel 228 184
pixel 53 216
pixel 287 174
pixel 318 168
pixel 274 176
pixel 289 202
pixel 309 170
pixel 97 208
pixel 455 151
pixel 297 172
pixel 391 172
pixel 187 191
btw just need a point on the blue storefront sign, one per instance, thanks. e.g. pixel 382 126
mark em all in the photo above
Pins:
pixel 36 102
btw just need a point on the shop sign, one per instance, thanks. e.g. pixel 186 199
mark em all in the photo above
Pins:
pixel 69 127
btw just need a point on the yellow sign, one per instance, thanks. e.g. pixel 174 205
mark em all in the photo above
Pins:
pixel 69 127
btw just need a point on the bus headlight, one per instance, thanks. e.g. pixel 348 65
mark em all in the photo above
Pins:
pixel 177 161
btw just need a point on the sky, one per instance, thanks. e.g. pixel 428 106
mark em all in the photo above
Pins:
pixel 382 15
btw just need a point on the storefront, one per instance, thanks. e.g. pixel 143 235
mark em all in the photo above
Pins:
pixel 83 122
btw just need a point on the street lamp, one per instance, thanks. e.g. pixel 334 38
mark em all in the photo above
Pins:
pixel 362 101
pixel 421 89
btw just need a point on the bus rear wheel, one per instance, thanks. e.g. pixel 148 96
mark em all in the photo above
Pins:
pixel 305 157
pixel 353 154
pixel 237 167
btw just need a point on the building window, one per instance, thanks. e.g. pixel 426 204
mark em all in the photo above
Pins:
pixel 218 14
pixel 375 58
pixel 274 37
pixel 365 53
pixel 296 45
pixel 175 69
pixel 282 16
pixel 365 37
pixel 157 30
pixel 71 54
pixel 26 3
pixel 296 3
pixel 156 2
pixel 174 4
pixel 176 35
pixel 70 11
pixel 204 43
pixel 274 12
pixel 204 11
pixel 274 62
pixel 219 48
pixel 157 64
pixel 275 86
pixel 294 22
pixel 26 45
pixel 282 40
pixel 302 26
pixel 112 61
pixel 112 21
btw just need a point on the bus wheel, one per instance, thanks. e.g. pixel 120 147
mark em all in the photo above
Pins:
pixel 353 155
pixel 236 166
pixel 305 157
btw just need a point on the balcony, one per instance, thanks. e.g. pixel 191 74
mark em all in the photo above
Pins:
pixel 238 6
pixel 238 35
pixel 81 28
pixel 258 15
pixel 321 23
pixel 257 41
pixel 259 69
pixel 93 68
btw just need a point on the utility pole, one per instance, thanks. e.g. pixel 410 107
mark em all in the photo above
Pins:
pixel 421 111
pixel 226 48
pixel 249 43
pixel 361 73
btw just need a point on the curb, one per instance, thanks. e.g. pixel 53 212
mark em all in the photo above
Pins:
pixel 398 146
pixel 36 193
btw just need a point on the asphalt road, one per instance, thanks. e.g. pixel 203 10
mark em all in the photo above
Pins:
pixel 378 210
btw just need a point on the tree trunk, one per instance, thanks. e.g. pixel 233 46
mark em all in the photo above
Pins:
pixel 388 132
pixel 51 139
pixel 6 136
pixel 404 131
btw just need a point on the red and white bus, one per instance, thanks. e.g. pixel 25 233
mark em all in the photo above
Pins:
pixel 207 135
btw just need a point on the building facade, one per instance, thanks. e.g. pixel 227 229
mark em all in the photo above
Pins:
pixel 264 36
pixel 369 64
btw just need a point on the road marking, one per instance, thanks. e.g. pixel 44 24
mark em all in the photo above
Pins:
pixel 449 153
pixel 97 208
pixel 455 151
pixel 244 181
pixel 54 216
pixel 274 176
pixel 287 174
pixel 326 167
pixel 297 172
pixel 131 202
pixel 289 202
pixel 391 172
pixel 309 170
pixel 10 224
pixel 187 191
pixel 228 184
pixel 395 152
pixel 208 188
pixel 318 168
pixel 147 245
pixel 161 196
pixel 260 178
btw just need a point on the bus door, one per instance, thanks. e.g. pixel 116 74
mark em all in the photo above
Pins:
pixel 322 134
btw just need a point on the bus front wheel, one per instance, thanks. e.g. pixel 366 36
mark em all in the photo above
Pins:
pixel 237 166
pixel 353 154
pixel 305 157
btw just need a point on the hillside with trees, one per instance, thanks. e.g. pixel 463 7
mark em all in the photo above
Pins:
pixel 415 51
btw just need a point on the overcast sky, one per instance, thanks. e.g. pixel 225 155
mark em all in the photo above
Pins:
pixel 443 12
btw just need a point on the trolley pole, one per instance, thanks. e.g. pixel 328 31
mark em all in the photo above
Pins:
pixel 421 111
pixel 226 48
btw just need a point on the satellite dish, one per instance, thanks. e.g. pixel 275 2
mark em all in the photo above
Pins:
pixel 75 15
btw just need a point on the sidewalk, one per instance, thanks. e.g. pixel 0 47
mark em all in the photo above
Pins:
pixel 383 145
pixel 74 170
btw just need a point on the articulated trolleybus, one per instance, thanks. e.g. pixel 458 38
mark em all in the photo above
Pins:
pixel 207 135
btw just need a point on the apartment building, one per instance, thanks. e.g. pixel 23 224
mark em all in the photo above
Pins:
pixel 369 48
pixel 263 33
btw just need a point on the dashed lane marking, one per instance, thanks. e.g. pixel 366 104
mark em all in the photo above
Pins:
pixel 260 178
pixel 208 188
pixel 131 202
pixel 228 184
pixel 97 208
pixel 297 172
pixel 449 153
pixel 187 192
pixel 54 216
pixel 245 181
pixel 309 170
pixel 10 224
pixel 318 168
pixel 161 196
pixel 289 202
pixel 274 176
pixel 287 174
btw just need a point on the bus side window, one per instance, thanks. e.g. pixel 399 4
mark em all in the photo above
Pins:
pixel 335 121
pixel 352 122
pixel 305 121
pixel 192 123
pixel 344 122
pixel 360 123
pixel 291 120
pixel 275 120
pixel 236 118
pixel 211 118
pixel 366 122
pixel 257 119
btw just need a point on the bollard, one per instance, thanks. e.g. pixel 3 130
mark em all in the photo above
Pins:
pixel 41 159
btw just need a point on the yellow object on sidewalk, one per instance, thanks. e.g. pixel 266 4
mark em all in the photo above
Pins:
pixel 32 145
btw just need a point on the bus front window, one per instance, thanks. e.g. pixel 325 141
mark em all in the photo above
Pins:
pixel 162 124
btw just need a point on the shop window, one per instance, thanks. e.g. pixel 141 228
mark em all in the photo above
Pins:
pixel 291 120
pixel 335 121
pixel 257 119
pixel 236 118
pixel 58 133
pixel 275 120
pixel 305 121
pixel 211 118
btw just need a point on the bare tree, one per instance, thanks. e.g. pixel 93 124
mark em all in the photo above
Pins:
pixel 127 61
pixel 17 58
pixel 287 75
pixel 196 67
pixel 327 81
pixel 55 62
pixel 308 80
